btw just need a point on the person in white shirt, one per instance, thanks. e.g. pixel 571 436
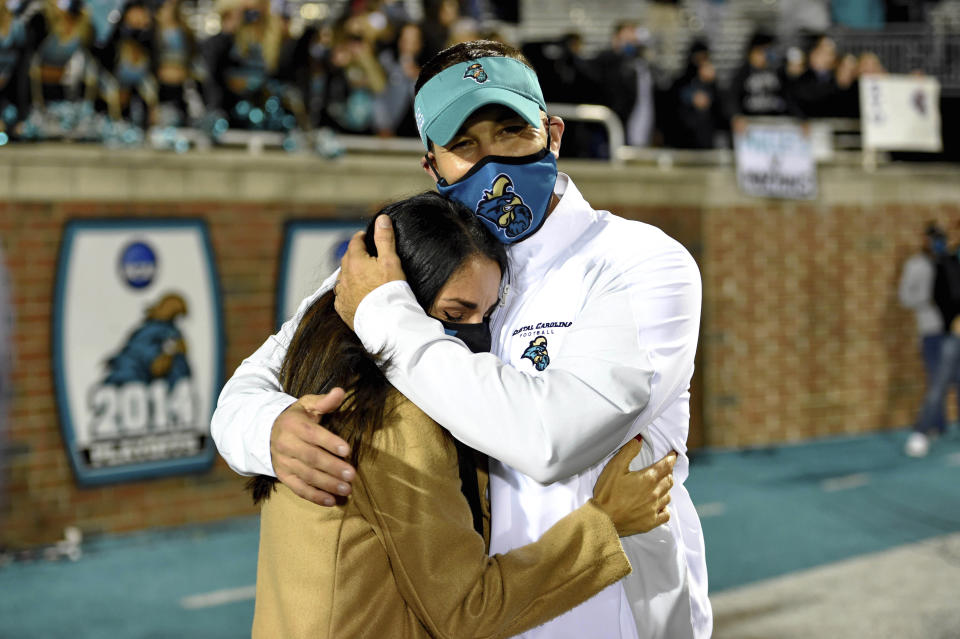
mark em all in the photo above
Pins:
pixel 916 293
pixel 594 343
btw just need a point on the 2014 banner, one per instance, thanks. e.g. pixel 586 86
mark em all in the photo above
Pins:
pixel 137 347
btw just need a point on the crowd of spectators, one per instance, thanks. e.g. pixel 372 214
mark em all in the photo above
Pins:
pixel 264 65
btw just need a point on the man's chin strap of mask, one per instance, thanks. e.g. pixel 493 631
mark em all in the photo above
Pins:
pixel 489 189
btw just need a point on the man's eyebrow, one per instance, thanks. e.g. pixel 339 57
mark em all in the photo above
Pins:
pixel 501 115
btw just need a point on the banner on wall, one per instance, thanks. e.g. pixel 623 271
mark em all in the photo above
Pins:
pixel 311 252
pixel 776 160
pixel 138 347
pixel 900 113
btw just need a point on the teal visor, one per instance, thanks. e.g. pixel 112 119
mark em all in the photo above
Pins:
pixel 448 98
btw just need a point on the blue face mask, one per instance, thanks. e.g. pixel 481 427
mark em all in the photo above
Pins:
pixel 509 195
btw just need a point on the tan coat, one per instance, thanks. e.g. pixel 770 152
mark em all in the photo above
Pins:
pixel 400 558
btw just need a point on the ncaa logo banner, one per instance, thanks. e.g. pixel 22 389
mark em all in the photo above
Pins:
pixel 138 347
pixel 311 252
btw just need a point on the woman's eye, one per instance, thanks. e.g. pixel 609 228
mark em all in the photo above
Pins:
pixel 453 317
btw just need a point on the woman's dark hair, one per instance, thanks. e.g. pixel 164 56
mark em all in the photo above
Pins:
pixel 464 52
pixel 434 236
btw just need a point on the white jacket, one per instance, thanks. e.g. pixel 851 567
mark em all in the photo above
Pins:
pixel 618 305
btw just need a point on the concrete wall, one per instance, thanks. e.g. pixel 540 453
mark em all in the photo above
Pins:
pixel 801 335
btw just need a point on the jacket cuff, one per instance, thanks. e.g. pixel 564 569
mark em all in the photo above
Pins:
pixel 372 321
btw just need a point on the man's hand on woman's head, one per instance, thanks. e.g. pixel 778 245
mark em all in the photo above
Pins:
pixel 360 273
pixel 306 456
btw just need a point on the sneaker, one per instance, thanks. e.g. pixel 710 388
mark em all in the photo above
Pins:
pixel 918 445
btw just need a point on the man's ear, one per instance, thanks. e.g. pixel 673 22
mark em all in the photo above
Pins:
pixel 426 160
pixel 556 133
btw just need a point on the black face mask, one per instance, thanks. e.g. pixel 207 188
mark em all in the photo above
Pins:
pixel 475 336
pixel 139 35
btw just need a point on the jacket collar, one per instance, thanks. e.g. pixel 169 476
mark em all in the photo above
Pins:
pixel 568 220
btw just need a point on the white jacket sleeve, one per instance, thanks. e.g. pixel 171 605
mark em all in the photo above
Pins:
pixel 628 355
pixel 251 400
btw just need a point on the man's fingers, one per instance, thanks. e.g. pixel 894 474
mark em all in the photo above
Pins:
pixel 355 249
pixel 385 241
pixel 320 461
pixel 318 478
pixel 663 517
pixel 383 236
pixel 323 404
pixel 308 492
pixel 663 501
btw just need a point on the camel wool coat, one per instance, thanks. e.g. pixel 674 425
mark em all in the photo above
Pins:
pixel 400 557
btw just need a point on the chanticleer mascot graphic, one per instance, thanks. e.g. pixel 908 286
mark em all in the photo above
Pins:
pixel 475 71
pixel 155 350
pixel 502 206
pixel 537 353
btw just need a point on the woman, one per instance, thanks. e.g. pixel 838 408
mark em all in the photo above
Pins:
pixel 402 556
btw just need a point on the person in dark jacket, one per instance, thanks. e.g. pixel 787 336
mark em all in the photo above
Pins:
pixel 758 87
pixel 698 109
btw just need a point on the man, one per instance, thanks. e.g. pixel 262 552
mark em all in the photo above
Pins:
pixel 943 357
pixel 597 330
pixel 916 293
pixel 627 81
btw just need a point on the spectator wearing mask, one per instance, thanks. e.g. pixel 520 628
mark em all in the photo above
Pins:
pixel 174 53
pixel 698 108
pixel 439 19
pixel 758 87
pixel 355 78
pixel 945 361
pixel 401 62
pixel 127 82
pixel 21 26
pixel 567 77
pixel 627 81
pixel 68 32
pixel 241 59
pixel 817 92
pixel 287 83
pixel 847 76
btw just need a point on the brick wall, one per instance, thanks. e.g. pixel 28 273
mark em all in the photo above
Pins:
pixel 803 333
pixel 44 497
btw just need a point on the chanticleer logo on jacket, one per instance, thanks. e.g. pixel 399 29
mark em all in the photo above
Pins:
pixel 536 352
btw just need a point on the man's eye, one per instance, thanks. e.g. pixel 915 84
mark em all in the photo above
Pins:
pixel 515 129
pixel 462 144
pixel 453 317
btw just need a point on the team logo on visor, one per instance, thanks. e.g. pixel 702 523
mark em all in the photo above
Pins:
pixel 537 353
pixel 475 71
pixel 504 207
